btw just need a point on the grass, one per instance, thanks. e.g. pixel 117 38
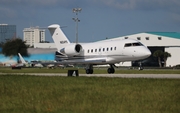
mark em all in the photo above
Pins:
pixel 37 94
pixel 96 70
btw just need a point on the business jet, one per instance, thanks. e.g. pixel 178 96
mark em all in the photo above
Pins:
pixel 14 63
pixel 97 53
pixel 39 64
pixel 22 59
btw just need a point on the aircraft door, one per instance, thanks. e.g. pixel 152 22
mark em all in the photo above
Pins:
pixel 128 51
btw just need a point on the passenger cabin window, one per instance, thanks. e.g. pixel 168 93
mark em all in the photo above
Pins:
pixel 111 48
pixel 91 50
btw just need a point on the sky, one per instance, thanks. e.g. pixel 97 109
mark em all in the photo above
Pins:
pixel 99 19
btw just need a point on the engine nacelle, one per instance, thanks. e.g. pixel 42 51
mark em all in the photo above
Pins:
pixel 72 49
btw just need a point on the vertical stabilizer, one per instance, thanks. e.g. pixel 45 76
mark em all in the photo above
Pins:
pixel 58 36
pixel 22 59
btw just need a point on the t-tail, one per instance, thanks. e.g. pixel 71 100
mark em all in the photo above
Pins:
pixel 58 36
pixel 22 59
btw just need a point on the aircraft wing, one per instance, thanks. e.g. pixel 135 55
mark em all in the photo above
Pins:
pixel 46 63
pixel 84 61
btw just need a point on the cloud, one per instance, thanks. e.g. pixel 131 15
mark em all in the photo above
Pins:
pixel 18 6
pixel 142 5
pixel 122 4
pixel 167 5
pixel 7 12
pixel 176 18
pixel 40 3
pixel 118 4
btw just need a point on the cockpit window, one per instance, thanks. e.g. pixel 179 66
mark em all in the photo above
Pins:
pixel 133 44
pixel 136 44
pixel 128 45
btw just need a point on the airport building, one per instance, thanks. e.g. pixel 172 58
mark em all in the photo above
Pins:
pixel 7 32
pixel 44 45
pixel 33 35
pixel 165 41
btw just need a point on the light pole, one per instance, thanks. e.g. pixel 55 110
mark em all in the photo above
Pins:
pixel 76 19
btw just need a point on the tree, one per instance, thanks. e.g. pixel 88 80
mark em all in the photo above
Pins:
pixel 15 46
pixel 165 56
pixel 1 44
pixel 158 54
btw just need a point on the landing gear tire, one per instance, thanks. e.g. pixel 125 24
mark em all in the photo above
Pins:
pixel 140 68
pixel 110 70
pixel 89 71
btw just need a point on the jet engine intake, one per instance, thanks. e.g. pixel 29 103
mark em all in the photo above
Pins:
pixel 72 49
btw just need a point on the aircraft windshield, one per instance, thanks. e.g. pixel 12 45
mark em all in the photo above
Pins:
pixel 133 44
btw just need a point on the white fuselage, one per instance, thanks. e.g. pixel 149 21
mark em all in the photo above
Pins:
pixel 109 52
pixel 101 52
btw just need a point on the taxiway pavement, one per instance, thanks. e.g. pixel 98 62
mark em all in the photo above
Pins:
pixel 169 76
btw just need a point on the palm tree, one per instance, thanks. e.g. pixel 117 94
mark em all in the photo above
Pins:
pixel 165 56
pixel 158 54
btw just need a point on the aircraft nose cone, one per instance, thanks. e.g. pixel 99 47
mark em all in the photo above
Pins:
pixel 147 53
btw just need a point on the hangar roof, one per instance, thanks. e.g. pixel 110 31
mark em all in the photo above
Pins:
pixel 167 34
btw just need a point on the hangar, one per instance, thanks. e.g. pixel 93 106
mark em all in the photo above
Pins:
pixel 165 41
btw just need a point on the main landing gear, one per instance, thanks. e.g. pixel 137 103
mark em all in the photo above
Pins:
pixel 111 70
pixel 89 69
